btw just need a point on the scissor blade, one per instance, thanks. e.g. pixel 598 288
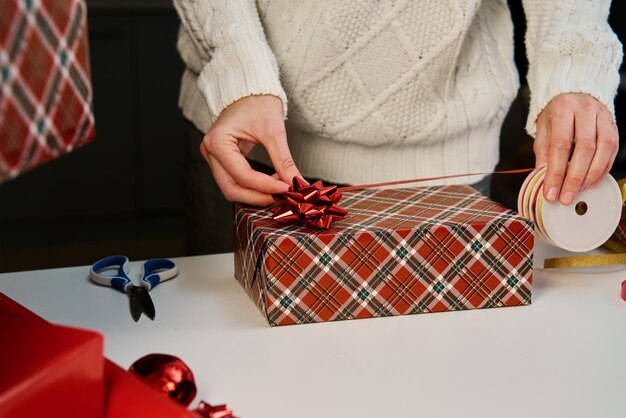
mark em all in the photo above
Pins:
pixel 135 304
pixel 146 302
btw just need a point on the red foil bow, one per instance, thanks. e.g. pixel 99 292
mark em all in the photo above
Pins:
pixel 218 411
pixel 313 205
pixel 167 374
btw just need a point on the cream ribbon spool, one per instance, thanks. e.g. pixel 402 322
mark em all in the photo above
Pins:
pixel 581 226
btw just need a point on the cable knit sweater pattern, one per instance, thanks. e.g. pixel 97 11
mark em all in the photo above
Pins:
pixel 391 89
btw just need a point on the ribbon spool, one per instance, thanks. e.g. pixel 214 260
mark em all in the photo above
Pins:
pixel 581 226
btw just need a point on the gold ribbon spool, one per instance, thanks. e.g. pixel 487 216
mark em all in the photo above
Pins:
pixel 619 249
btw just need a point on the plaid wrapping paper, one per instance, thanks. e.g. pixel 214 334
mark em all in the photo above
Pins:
pixel 620 231
pixel 45 91
pixel 402 251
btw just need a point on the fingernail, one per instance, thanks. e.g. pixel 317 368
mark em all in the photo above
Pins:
pixel 567 197
pixel 585 184
pixel 594 184
pixel 552 194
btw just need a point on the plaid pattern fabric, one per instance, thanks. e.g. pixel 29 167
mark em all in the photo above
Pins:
pixel 402 251
pixel 620 231
pixel 45 87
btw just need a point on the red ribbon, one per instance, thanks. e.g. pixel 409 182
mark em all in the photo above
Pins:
pixel 172 377
pixel 451 176
pixel 316 206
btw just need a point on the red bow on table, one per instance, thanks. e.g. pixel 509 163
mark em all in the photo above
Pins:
pixel 218 411
pixel 172 377
pixel 310 204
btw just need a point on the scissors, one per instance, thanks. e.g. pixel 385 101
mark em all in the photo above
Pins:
pixel 155 271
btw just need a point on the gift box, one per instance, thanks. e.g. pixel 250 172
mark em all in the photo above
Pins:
pixel 45 79
pixel 397 252
pixel 48 370
pixel 620 231
pixel 10 307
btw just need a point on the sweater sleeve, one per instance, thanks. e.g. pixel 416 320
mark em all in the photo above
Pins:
pixel 239 62
pixel 571 49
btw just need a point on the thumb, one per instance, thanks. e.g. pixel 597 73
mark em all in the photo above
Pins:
pixel 282 160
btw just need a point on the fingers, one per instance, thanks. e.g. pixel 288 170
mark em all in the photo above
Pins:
pixel 584 150
pixel 606 149
pixel 561 137
pixel 280 155
pixel 226 150
pixel 249 121
pixel 283 162
pixel 232 191
pixel 583 118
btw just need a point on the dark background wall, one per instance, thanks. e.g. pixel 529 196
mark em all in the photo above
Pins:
pixel 122 194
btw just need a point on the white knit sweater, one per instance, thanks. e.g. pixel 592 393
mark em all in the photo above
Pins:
pixel 391 89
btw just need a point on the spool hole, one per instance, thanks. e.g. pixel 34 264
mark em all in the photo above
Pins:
pixel 581 208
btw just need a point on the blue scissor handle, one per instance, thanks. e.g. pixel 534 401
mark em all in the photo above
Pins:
pixel 156 271
pixel 120 281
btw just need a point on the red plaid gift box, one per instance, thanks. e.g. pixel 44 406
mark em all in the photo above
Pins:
pixel 45 87
pixel 398 252
pixel 620 232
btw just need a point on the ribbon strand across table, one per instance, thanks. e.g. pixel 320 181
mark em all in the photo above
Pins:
pixel 317 206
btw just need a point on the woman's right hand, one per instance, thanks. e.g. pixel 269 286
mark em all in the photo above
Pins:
pixel 245 123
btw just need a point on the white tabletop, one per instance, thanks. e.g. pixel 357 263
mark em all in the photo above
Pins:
pixel 562 356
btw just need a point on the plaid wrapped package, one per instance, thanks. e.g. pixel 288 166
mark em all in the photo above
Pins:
pixel 398 252
pixel 45 82
pixel 620 231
